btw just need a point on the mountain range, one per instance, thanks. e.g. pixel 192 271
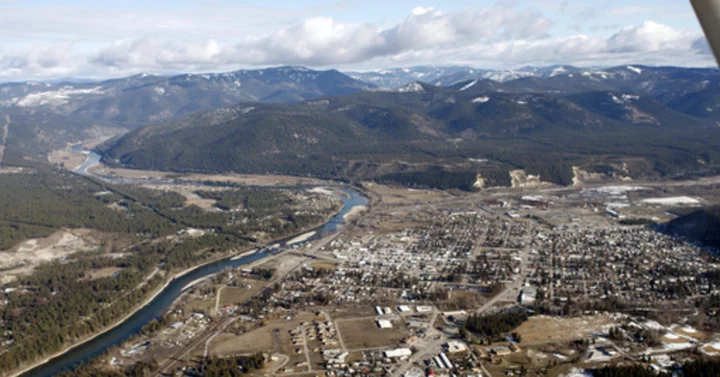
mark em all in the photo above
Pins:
pixel 622 121
pixel 632 121
pixel 142 99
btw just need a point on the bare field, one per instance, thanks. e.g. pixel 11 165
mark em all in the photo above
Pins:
pixel 243 179
pixel 188 192
pixel 282 265
pixel 325 266
pixel 236 295
pixel 543 329
pixel 261 339
pixel 349 312
pixel 404 195
pixel 129 173
pixel 71 160
pixel 26 255
pixel 365 333
pixel 101 273
pixel 254 180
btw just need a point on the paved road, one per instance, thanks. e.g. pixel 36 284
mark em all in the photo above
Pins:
pixel 511 291
pixel 508 294
pixel 201 340
pixel 431 348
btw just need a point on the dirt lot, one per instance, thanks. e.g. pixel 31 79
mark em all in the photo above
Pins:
pixel 542 329
pixel 26 255
pixel 365 333
pixel 101 273
pixel 284 263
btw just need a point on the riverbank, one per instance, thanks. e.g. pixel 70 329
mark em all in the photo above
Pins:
pixel 134 311
pixel 157 292
pixel 354 212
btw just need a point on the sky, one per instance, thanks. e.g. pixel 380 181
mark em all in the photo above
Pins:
pixel 42 39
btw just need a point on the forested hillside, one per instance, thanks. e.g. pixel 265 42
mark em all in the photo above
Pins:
pixel 701 225
pixel 46 306
pixel 431 136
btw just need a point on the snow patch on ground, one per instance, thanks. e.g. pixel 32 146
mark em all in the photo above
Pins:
pixel 688 330
pixel 635 69
pixel 53 97
pixel 558 71
pixel 159 91
pixel 412 87
pixel 578 373
pixel 469 85
pixel 630 97
pixel 654 325
pixel 482 99
pixel 675 200
pixel 616 190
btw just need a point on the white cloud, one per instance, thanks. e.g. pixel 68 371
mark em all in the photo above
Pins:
pixel 502 35
pixel 651 36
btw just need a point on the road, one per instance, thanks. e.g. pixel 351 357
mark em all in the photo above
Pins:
pixel 217 300
pixel 509 293
pixel 3 137
pixel 205 338
pixel 431 348
pixel 201 340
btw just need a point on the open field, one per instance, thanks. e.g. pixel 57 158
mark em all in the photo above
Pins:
pixel 128 173
pixel 260 339
pixel 365 333
pixel 543 329
pixel 254 180
pixel 403 195
pixel 236 295
pixel 71 160
pixel 242 179
pixel 283 264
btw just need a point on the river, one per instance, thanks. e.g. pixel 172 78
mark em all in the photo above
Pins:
pixel 164 299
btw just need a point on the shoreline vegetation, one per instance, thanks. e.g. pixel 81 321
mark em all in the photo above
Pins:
pixel 156 293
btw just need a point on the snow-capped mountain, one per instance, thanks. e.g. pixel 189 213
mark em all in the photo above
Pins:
pixel 397 77
pixel 144 98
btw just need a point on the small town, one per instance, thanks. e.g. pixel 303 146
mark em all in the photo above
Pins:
pixel 397 290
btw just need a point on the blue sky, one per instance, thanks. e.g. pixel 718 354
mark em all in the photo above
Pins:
pixel 49 39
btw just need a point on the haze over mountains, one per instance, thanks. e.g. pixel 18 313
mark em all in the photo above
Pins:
pixel 398 125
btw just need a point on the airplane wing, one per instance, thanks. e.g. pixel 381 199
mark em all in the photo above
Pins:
pixel 708 12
